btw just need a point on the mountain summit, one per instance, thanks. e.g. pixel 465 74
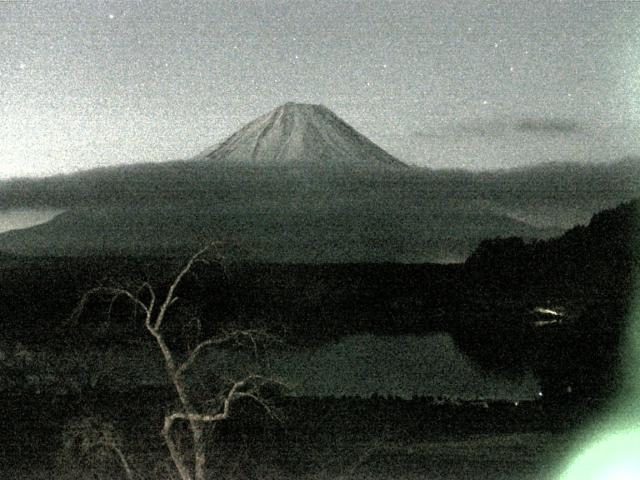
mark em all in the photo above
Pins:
pixel 298 134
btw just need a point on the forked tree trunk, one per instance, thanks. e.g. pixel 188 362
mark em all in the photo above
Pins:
pixel 200 452
pixel 174 452
pixel 197 431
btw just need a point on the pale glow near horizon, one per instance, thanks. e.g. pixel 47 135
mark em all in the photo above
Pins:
pixel 467 85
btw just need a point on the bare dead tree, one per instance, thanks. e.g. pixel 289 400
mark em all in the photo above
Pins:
pixel 154 309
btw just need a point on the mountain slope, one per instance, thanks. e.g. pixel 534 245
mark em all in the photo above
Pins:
pixel 297 135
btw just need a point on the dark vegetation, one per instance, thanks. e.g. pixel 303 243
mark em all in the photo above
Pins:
pixel 496 306
pixel 586 275
pixel 315 435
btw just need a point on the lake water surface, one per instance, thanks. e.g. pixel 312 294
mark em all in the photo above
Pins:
pixel 361 365
pixel 17 219
pixel 397 365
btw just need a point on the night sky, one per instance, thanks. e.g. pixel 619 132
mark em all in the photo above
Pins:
pixel 474 85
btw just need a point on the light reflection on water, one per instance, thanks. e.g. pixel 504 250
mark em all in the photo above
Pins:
pixel 17 219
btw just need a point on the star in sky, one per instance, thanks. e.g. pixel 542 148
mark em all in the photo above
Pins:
pixel 175 85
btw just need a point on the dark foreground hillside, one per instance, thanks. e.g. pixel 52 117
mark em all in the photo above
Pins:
pixel 556 307
pixel 313 438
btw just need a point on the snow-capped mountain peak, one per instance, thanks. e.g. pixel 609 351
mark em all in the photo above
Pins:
pixel 296 135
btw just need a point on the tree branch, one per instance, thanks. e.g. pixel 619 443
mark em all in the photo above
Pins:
pixel 221 340
pixel 174 451
pixel 171 298
pixel 115 293
pixel 235 392
pixel 261 402
pixel 121 457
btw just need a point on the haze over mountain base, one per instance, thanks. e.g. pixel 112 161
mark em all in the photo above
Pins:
pixel 299 185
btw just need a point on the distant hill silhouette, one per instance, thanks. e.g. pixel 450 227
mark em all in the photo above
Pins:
pixel 299 185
